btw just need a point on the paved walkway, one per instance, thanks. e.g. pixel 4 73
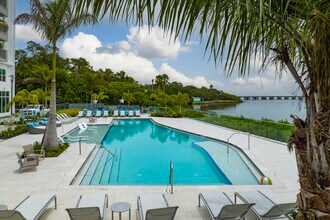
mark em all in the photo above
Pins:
pixel 54 175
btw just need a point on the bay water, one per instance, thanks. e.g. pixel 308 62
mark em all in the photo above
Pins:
pixel 258 109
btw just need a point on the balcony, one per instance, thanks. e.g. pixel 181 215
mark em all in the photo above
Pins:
pixel 3 8
pixel 3 55
pixel 3 31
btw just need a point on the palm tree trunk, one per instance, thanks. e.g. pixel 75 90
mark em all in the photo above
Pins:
pixel 50 139
pixel 312 148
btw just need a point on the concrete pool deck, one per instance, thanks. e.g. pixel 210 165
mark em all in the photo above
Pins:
pixel 53 175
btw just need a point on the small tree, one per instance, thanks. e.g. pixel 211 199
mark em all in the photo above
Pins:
pixel 23 98
pixel 181 100
pixel 128 97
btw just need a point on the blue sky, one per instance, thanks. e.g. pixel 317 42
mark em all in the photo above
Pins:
pixel 143 55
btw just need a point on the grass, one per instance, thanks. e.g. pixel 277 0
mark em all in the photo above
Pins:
pixel 265 128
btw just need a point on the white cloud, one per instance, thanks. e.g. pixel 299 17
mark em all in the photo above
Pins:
pixel 238 81
pixel 121 56
pixel 175 75
pixel 85 45
pixel 27 33
pixel 154 43
pixel 192 43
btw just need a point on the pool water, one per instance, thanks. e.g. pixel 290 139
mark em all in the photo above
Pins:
pixel 142 154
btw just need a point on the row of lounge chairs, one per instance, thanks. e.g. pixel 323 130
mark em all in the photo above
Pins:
pixel 155 207
pixel 105 113
pixel 98 113
pixel 127 112
pixel 64 118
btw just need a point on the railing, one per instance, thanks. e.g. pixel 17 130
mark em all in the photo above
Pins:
pixel 3 3
pixel 272 130
pixel 3 55
pixel 171 180
pixel 247 133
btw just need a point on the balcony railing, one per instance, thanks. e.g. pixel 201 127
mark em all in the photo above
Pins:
pixel 3 31
pixel 3 8
pixel 3 55
pixel 3 3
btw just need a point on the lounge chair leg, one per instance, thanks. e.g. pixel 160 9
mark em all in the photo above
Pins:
pixel 55 202
pixel 199 200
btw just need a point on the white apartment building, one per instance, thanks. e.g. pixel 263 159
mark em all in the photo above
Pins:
pixel 7 56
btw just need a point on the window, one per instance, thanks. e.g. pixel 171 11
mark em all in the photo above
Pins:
pixel 4 99
pixel 3 75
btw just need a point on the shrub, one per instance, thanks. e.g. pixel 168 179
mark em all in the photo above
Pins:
pixel 265 127
pixel 10 132
pixel 53 152
pixel 72 112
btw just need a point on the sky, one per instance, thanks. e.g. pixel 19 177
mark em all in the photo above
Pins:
pixel 143 54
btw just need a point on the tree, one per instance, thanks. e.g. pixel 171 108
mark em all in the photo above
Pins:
pixel 43 96
pixel 23 98
pixel 43 76
pixel 53 20
pixel 128 97
pixel 293 35
pixel 181 100
pixel 162 80
pixel 99 96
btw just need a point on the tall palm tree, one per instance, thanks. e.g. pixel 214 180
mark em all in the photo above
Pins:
pixel 293 35
pixel 53 20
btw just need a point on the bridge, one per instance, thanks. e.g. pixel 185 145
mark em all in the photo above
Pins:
pixel 270 97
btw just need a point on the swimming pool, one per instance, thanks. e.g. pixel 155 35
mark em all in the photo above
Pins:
pixel 143 151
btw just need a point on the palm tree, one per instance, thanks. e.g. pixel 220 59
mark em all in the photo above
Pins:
pixel 181 100
pixel 128 97
pixel 43 76
pixel 43 97
pixel 162 80
pixel 23 98
pixel 99 96
pixel 293 35
pixel 53 20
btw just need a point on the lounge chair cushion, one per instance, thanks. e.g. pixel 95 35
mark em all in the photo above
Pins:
pixel 220 206
pixel 264 206
pixel 33 206
pixel 155 207
pixel 92 206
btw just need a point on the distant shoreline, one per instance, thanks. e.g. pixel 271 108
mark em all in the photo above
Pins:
pixel 216 101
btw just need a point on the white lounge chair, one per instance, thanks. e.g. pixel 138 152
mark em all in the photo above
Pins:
pixel 130 113
pixel 80 114
pixel 137 113
pixel 264 207
pixel 220 206
pixel 64 116
pixel 92 206
pixel 33 207
pixel 122 113
pixel 115 113
pixel 98 114
pixel 105 113
pixel 155 207
pixel 89 114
